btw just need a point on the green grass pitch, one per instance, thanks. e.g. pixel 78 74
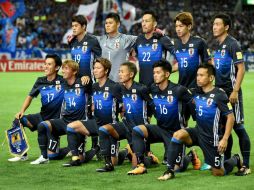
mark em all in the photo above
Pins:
pixel 13 89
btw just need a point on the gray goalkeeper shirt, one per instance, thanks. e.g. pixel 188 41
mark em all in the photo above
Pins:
pixel 116 49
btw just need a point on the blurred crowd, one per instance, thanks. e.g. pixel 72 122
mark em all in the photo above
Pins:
pixel 45 22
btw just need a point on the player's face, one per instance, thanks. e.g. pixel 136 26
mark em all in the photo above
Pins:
pixel 181 29
pixel 159 75
pixel 77 29
pixel 148 24
pixel 99 71
pixel 124 74
pixel 67 72
pixel 202 77
pixel 50 67
pixel 218 28
pixel 111 26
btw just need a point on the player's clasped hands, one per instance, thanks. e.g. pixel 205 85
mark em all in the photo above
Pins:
pixel 85 80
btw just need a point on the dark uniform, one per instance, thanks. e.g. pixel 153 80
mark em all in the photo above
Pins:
pixel 74 108
pixel 189 56
pixel 168 112
pixel 84 52
pixel 227 55
pixel 52 94
pixel 211 107
pixel 106 102
pixel 149 51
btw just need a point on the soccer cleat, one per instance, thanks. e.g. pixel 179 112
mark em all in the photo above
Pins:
pixel 40 160
pixel 164 162
pixel 155 160
pixel 72 163
pixel 243 171
pixel 107 168
pixel 17 159
pixel 169 174
pixel 196 162
pixel 140 169
pixel 205 167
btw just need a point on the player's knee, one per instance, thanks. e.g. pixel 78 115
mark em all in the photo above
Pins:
pixel 137 132
pixel 180 134
pixel 74 125
pixel 218 172
pixel 70 129
pixel 103 131
pixel 43 127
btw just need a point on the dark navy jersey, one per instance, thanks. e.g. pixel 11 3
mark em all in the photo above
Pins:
pixel 84 52
pixel 52 94
pixel 189 56
pixel 135 101
pixel 210 107
pixel 105 101
pixel 149 51
pixel 168 105
pixel 226 56
pixel 75 101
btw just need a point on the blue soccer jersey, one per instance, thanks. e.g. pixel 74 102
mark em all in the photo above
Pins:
pixel 149 51
pixel 106 99
pixel 210 107
pixel 84 52
pixel 189 56
pixel 75 101
pixel 226 56
pixel 135 101
pixel 168 105
pixel 52 94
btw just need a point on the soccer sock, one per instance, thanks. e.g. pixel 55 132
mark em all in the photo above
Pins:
pixel 174 149
pixel 121 156
pixel 114 146
pixel 148 161
pixel 227 153
pixel 105 143
pixel 94 141
pixel 59 156
pixel 73 141
pixel 148 146
pixel 43 138
pixel 138 144
pixel 91 153
pixel 186 161
pixel 244 142
pixel 230 164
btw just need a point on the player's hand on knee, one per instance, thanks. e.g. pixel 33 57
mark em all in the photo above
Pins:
pixel 222 146
pixel 19 115
pixel 233 98
pixel 85 80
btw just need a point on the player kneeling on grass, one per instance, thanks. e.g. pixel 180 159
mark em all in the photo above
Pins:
pixel 135 99
pixel 74 108
pixel 50 87
pixel 106 96
pixel 168 99
pixel 212 105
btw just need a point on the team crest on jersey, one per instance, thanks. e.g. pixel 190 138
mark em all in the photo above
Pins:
pixel 154 46
pixel 223 52
pixel 58 87
pixel 117 43
pixel 191 51
pixel 170 99
pixel 77 91
pixel 105 95
pixel 209 101
pixel 134 97
pixel 84 47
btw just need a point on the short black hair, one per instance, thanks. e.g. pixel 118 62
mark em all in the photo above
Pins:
pixel 56 58
pixel 164 64
pixel 114 16
pixel 225 18
pixel 131 66
pixel 154 16
pixel 81 19
pixel 210 68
